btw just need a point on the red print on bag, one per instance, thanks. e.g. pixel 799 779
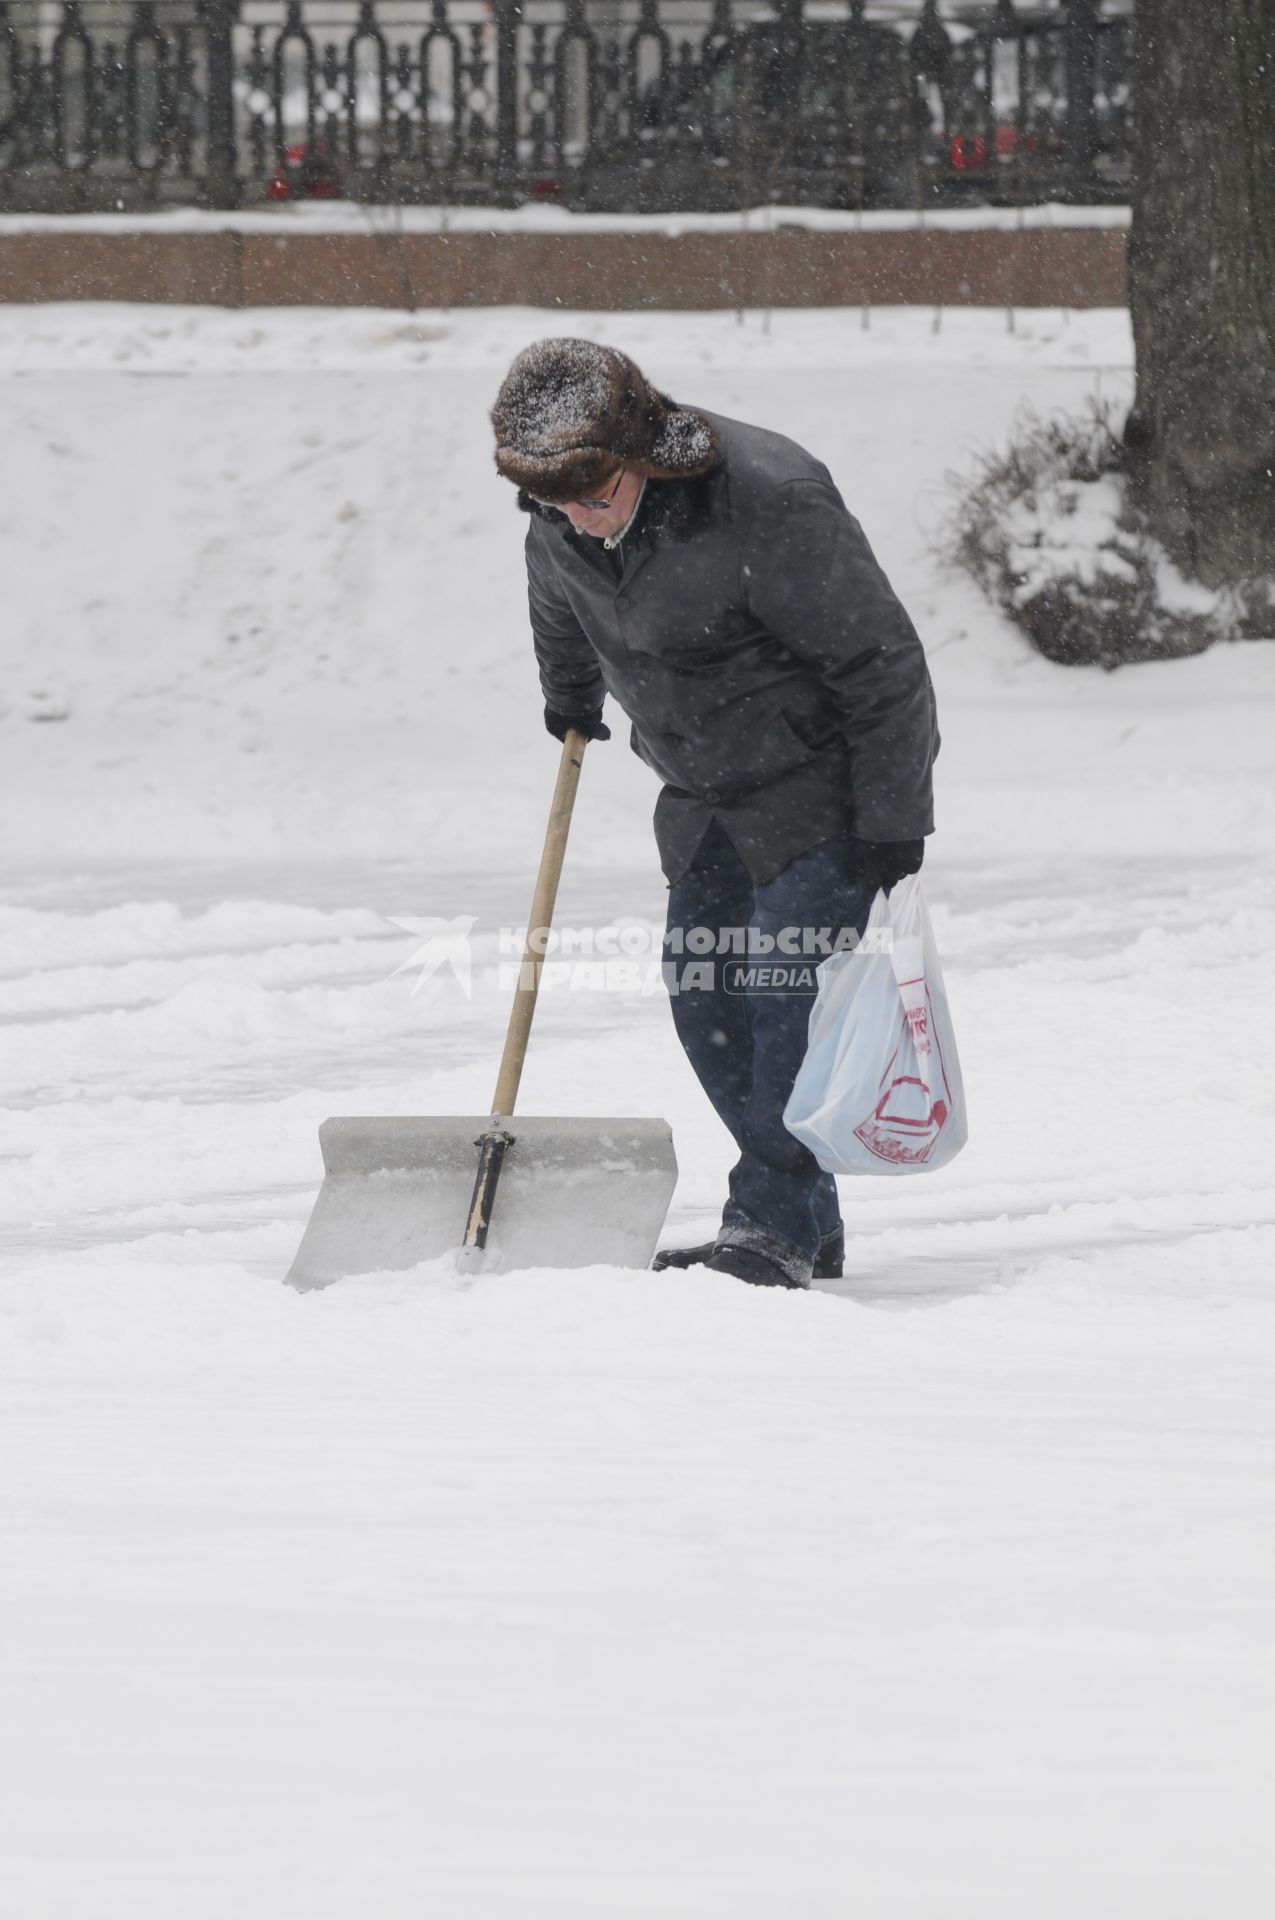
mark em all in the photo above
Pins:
pixel 910 1113
pixel 918 1019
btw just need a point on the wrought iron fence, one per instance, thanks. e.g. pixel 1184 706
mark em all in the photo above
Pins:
pixel 601 104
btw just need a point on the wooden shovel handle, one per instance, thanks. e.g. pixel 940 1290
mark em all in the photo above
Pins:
pixel 538 924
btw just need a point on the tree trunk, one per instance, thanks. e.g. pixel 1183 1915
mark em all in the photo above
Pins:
pixel 1201 438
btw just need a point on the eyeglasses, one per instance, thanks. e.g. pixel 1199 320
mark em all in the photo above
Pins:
pixel 590 506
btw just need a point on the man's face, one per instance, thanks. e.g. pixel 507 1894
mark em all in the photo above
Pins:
pixel 621 489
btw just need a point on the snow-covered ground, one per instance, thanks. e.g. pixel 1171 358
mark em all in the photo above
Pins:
pixel 943 1594
pixel 358 217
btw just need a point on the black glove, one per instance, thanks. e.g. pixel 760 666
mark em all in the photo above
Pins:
pixel 884 862
pixel 589 724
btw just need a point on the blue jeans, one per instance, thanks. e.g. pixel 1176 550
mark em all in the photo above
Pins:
pixel 744 1037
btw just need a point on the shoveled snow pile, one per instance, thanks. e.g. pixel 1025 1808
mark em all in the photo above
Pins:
pixel 942 1592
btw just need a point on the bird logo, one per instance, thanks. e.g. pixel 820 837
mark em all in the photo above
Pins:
pixel 443 943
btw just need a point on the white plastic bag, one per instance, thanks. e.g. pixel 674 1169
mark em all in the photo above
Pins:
pixel 880 1088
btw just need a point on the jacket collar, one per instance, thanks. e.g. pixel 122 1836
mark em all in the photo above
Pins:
pixel 671 509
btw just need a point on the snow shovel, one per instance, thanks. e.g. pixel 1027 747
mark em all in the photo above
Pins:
pixel 504 1193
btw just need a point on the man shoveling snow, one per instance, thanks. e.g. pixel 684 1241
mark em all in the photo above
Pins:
pixel 708 576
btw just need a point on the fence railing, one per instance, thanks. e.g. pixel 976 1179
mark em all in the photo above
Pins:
pixel 644 105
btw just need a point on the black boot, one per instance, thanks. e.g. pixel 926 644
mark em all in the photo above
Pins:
pixel 829 1261
pixel 759 1268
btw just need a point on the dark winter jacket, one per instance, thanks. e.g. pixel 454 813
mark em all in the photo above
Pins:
pixel 771 676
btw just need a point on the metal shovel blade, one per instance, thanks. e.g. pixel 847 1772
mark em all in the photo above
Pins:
pixel 573 1193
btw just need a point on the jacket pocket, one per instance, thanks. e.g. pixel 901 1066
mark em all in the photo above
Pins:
pixel 656 757
pixel 741 762
pixel 815 735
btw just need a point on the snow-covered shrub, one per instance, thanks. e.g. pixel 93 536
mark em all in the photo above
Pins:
pixel 1049 530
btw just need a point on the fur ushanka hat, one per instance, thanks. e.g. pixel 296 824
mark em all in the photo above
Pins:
pixel 570 411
